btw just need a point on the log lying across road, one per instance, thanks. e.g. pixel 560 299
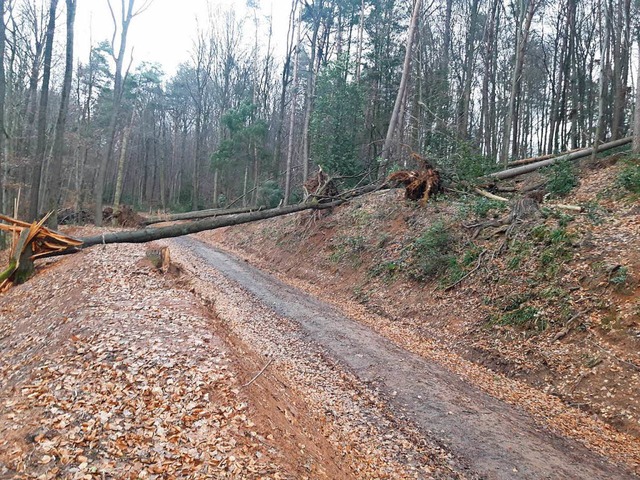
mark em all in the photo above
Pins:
pixel 155 233
pixel 212 212
pixel 514 172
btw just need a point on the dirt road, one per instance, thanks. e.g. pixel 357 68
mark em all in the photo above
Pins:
pixel 490 438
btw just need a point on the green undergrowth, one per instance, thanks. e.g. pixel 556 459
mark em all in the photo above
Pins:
pixel 629 177
pixel 561 178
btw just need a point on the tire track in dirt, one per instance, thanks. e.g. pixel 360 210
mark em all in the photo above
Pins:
pixel 497 440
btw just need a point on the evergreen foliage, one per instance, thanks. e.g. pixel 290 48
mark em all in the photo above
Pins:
pixel 337 121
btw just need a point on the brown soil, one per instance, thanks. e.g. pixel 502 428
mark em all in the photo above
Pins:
pixel 579 373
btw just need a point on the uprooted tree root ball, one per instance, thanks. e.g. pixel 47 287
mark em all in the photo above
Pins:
pixel 420 185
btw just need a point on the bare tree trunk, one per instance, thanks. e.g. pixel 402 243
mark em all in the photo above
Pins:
pixel 55 187
pixel 636 117
pixel 121 161
pixel 404 80
pixel 3 130
pixel 39 159
pixel 292 119
pixel 602 86
pixel 245 185
pixel 522 29
pixel 621 54
pixel 463 119
pixel 127 15
pixel 360 42
pixel 309 94
pixel 215 188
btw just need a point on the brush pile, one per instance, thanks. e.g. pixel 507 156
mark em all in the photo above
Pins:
pixel 30 241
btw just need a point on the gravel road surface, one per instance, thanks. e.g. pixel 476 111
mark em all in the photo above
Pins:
pixel 493 439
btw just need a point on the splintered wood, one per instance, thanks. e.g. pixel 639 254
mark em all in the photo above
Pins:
pixel 30 241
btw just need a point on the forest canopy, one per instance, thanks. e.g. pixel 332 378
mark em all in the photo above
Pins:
pixel 477 83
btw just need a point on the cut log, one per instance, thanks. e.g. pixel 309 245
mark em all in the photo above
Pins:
pixel 197 214
pixel 514 172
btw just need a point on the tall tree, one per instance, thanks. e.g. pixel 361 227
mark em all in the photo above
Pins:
pixel 292 113
pixel 3 130
pixel 127 13
pixel 525 11
pixel 605 12
pixel 404 81
pixel 55 181
pixel 636 115
pixel 39 160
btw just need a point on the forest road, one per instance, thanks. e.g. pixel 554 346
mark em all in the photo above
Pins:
pixel 493 439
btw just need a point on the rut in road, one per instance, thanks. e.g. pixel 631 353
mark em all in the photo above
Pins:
pixel 496 440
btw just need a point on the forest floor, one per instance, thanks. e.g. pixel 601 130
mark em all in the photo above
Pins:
pixel 111 369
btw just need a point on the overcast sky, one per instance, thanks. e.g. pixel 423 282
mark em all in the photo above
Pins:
pixel 164 33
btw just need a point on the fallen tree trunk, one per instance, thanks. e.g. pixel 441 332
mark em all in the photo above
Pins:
pixel 213 212
pixel 155 233
pixel 526 161
pixel 51 244
pixel 515 172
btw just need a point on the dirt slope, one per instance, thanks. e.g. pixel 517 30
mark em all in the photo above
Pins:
pixel 551 322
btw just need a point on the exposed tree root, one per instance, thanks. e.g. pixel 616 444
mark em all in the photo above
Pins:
pixel 420 185
pixel 320 186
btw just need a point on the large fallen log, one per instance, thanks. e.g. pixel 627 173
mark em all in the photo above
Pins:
pixel 198 214
pixel 514 172
pixel 526 161
pixel 150 234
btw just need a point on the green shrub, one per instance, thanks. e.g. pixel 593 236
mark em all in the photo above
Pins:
pixel 562 178
pixel 629 178
pixel 431 252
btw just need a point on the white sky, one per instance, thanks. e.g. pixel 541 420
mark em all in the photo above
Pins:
pixel 164 32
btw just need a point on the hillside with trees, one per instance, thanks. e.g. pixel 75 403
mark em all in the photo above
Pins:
pixel 469 84
pixel 393 239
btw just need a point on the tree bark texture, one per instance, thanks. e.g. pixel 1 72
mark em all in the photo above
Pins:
pixel 404 80
pixel 127 16
pixel 636 116
pixel 55 182
pixel 292 118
